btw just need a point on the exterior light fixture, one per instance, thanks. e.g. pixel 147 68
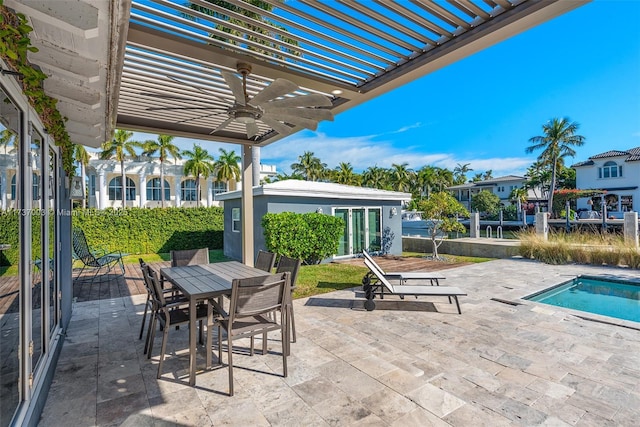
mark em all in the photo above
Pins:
pixel 76 190
pixel 319 210
pixel 393 211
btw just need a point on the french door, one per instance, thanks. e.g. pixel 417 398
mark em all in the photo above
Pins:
pixel 363 230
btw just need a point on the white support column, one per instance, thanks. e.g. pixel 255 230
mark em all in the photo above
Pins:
pixel 631 228
pixel 102 190
pixel 542 227
pixel 247 206
pixel 3 189
pixel 142 178
pixel 474 225
pixel 209 187
pixel 177 187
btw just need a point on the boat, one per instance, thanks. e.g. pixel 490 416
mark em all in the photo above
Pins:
pixel 413 220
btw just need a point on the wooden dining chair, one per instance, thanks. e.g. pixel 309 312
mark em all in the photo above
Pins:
pixel 254 302
pixel 265 261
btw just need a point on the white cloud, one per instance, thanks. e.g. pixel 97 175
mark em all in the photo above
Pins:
pixel 364 151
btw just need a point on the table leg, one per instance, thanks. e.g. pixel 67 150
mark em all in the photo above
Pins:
pixel 209 347
pixel 192 342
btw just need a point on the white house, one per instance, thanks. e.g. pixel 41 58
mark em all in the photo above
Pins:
pixel 618 173
pixel 143 184
pixel 501 186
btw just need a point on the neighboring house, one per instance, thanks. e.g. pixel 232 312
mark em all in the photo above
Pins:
pixel 372 217
pixel 501 186
pixel 616 172
pixel 143 184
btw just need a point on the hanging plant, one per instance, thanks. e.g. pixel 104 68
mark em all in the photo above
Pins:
pixel 14 45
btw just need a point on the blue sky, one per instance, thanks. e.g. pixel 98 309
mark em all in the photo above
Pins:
pixel 482 110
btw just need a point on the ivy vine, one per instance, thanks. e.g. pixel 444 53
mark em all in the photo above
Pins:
pixel 14 45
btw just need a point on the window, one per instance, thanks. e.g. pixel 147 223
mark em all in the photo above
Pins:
pixel 36 187
pixel 154 189
pixel 610 170
pixel 235 220
pixel 115 189
pixel 92 185
pixel 218 187
pixel 188 190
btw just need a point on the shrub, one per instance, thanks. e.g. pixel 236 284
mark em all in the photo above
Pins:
pixel 156 230
pixel 311 237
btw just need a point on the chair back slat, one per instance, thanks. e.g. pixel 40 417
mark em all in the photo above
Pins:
pixel 81 248
pixel 291 265
pixel 189 257
pixel 379 275
pixel 258 295
pixel 265 261
pixel 367 256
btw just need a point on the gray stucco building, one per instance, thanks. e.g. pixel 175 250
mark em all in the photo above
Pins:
pixel 372 216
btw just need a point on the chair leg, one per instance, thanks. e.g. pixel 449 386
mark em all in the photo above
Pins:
pixel 144 316
pixel 264 343
pixel 293 322
pixel 230 362
pixel 165 336
pixel 152 329
pixel 251 346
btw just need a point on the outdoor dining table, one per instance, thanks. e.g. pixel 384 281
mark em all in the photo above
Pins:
pixel 203 282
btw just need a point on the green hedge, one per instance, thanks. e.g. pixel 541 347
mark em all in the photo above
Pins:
pixel 311 237
pixel 132 230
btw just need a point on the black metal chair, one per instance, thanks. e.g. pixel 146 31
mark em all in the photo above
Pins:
pixel 92 258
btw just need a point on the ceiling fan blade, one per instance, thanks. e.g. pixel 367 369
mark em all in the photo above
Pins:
pixel 252 130
pixel 235 84
pixel 279 87
pixel 274 124
pixel 316 114
pixel 221 126
pixel 311 100
pixel 184 108
pixel 294 120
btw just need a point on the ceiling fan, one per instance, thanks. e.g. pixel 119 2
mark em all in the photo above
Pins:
pixel 271 107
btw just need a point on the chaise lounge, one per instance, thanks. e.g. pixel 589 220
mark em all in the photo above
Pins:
pixel 377 283
pixel 404 276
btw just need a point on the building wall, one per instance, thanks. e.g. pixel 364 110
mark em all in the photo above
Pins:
pixel 101 172
pixel 627 185
pixel 279 204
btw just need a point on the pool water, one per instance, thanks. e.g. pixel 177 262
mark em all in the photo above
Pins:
pixel 617 299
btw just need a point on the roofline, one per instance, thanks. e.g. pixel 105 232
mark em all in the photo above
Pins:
pixel 317 194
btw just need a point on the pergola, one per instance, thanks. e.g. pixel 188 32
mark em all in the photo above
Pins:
pixel 155 65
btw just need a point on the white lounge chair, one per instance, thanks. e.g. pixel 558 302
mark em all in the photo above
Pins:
pixel 382 282
pixel 403 275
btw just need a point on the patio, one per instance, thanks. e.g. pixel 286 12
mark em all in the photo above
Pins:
pixel 402 364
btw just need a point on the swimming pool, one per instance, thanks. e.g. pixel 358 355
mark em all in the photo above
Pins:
pixel 619 299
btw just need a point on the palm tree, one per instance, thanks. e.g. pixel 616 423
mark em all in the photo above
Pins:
pixel 226 167
pixel 460 173
pixel 443 178
pixel 7 137
pixel 344 174
pixel 374 177
pixel 309 166
pixel 400 176
pixel 559 135
pixel 118 148
pixel 82 157
pixel 200 163
pixel 165 148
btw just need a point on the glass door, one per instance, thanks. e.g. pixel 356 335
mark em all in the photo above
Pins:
pixel 363 230
pixel 10 250
pixel 38 268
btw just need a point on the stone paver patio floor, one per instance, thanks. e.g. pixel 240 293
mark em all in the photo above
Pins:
pixel 408 363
